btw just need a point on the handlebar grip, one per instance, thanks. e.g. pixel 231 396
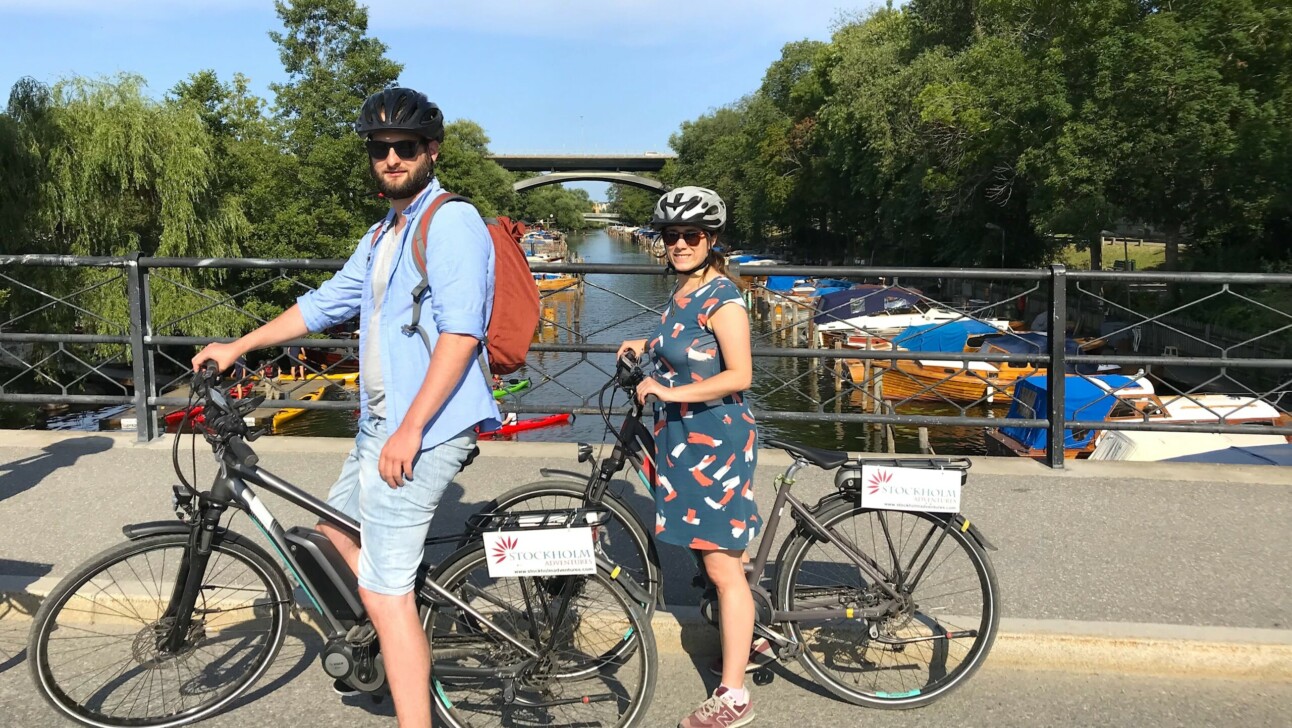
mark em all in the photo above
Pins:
pixel 210 368
pixel 243 452
pixel 652 399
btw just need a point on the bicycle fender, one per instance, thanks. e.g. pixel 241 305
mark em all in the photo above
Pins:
pixel 958 520
pixel 136 531
pixel 563 474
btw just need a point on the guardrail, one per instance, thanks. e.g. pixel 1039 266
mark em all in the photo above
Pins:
pixel 124 325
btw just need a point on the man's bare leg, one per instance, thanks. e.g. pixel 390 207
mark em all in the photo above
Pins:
pixel 406 653
pixel 347 546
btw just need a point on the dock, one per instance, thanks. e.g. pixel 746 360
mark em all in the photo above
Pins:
pixel 281 389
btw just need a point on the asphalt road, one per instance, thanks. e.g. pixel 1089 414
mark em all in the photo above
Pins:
pixel 1104 548
pixel 297 692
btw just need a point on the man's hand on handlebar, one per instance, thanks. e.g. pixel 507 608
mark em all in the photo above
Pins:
pixel 224 355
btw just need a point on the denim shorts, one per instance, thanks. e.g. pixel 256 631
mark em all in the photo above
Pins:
pixel 394 521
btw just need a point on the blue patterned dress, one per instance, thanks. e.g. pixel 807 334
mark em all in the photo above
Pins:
pixel 705 452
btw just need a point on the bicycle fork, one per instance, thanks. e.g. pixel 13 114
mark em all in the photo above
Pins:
pixel 188 583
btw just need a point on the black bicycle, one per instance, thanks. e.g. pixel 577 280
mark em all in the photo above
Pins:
pixel 176 623
pixel 886 608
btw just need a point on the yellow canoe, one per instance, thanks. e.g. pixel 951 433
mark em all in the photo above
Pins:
pixel 347 378
pixel 287 415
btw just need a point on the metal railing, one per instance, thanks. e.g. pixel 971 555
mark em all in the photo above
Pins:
pixel 122 326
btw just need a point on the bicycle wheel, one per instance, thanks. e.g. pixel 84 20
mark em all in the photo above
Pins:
pixel 94 650
pixel 585 677
pixel 623 540
pixel 945 630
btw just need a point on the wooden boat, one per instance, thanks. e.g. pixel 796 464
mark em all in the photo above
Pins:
pixel 1114 399
pixel 555 281
pixel 879 310
pixel 938 380
pixel 1086 398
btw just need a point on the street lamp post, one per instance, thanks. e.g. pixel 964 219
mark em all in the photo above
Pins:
pixel 1001 230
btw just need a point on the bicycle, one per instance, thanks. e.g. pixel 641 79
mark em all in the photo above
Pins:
pixel 849 614
pixel 176 623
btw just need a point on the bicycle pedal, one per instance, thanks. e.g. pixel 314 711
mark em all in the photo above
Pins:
pixel 361 634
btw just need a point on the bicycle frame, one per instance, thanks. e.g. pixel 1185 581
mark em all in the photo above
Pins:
pixel 635 444
pixel 230 487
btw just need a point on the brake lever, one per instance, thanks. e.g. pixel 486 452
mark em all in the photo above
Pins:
pixel 254 435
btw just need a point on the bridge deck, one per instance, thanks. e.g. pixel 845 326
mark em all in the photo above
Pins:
pixel 1113 542
pixel 583 162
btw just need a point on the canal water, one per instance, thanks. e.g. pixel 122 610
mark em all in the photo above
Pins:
pixel 612 308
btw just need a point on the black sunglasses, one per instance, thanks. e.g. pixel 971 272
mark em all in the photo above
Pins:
pixel 406 148
pixel 692 238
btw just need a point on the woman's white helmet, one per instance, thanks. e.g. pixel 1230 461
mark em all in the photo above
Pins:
pixel 696 206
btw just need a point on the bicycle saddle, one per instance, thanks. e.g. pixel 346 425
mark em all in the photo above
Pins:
pixel 828 459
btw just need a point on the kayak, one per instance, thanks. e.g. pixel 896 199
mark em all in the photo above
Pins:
pixel 286 415
pixel 349 378
pixel 173 418
pixel 530 424
pixel 513 387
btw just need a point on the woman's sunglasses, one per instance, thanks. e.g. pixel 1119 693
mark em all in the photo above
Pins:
pixel 692 238
pixel 407 149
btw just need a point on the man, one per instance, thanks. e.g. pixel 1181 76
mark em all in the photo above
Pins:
pixel 418 409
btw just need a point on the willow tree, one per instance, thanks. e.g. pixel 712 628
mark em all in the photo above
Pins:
pixel 107 171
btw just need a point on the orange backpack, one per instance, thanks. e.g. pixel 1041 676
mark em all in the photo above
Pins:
pixel 515 292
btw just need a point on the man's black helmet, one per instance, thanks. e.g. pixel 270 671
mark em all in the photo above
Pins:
pixel 400 109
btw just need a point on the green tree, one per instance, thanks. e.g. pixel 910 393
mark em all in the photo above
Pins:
pixel 633 205
pixel 464 167
pixel 113 173
pixel 558 206
pixel 326 197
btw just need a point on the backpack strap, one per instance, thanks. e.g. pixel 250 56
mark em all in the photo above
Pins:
pixel 421 238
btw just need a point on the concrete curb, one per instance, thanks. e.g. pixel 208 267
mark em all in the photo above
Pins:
pixel 1179 473
pixel 1057 645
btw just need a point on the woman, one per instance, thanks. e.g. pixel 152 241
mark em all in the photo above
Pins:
pixel 704 432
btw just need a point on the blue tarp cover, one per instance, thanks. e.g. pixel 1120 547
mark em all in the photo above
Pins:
pixel 1084 401
pixel 863 300
pixel 1246 455
pixel 949 336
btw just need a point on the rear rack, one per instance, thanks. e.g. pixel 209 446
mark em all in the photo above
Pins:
pixel 848 476
pixel 539 519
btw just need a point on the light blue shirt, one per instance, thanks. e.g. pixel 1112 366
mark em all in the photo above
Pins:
pixel 460 270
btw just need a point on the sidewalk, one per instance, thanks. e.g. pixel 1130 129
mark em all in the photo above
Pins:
pixel 1135 567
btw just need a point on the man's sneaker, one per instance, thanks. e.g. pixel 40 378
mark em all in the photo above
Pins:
pixel 342 688
pixel 761 654
pixel 719 712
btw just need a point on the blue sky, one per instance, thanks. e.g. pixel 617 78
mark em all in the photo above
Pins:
pixel 561 76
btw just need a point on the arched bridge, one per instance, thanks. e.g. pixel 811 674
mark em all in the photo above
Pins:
pixel 621 178
pixel 613 168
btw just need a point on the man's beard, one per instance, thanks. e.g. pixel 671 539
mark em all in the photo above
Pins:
pixel 415 181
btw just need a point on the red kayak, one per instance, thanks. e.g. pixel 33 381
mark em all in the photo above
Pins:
pixel 194 415
pixel 530 424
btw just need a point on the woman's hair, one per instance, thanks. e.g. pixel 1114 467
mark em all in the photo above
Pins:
pixel 718 262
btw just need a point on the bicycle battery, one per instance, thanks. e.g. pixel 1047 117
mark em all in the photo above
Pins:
pixel 328 574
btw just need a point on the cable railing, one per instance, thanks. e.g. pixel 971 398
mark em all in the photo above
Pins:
pixel 896 347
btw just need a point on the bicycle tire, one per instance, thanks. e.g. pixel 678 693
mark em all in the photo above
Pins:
pixel 639 558
pixel 854 652
pixel 584 659
pixel 137 603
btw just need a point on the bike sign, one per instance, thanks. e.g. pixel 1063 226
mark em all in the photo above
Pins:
pixel 910 489
pixel 540 552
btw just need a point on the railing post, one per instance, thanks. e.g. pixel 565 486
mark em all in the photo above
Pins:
pixel 140 327
pixel 1057 370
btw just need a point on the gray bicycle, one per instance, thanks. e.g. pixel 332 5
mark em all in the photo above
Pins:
pixel 884 608
pixel 176 623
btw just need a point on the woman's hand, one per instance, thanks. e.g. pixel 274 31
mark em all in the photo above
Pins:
pixel 649 386
pixel 637 346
